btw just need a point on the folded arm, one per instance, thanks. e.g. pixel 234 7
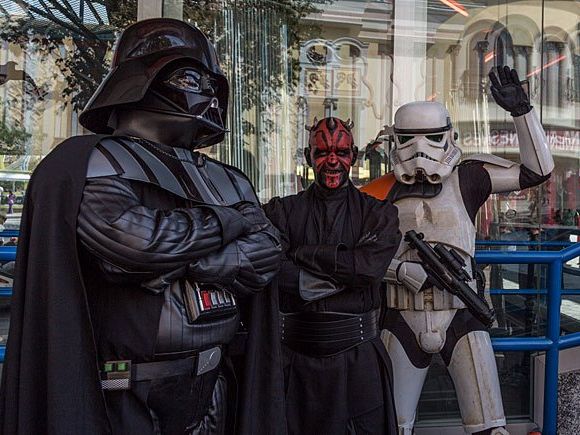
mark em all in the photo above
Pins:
pixel 155 246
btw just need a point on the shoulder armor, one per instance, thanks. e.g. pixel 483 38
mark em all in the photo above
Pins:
pixel 243 184
pixel 189 175
pixel 100 165
pixel 380 187
pixel 129 160
pixel 490 159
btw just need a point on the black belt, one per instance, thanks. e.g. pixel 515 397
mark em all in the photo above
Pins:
pixel 327 333
pixel 118 375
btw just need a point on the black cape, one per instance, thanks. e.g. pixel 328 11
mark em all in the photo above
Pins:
pixel 50 381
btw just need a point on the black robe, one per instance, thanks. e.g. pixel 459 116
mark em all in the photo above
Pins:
pixel 50 382
pixel 350 392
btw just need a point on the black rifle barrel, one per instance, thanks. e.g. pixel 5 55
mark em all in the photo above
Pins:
pixel 450 258
pixel 446 276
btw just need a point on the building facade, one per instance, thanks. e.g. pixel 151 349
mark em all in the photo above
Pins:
pixel 290 61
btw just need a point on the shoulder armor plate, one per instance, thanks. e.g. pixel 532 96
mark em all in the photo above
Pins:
pixel 186 174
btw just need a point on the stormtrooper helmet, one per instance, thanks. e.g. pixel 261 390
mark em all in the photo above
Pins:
pixel 425 148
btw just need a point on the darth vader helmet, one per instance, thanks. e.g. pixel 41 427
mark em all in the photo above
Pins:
pixel 425 147
pixel 166 66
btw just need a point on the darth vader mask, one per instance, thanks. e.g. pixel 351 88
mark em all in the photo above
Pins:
pixel 168 71
pixel 186 90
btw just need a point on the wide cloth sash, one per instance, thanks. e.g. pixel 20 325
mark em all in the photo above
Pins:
pixel 327 333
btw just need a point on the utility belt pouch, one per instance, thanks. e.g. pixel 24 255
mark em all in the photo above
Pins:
pixel 206 301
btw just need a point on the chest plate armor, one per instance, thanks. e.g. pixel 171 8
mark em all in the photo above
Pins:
pixel 194 316
pixel 442 219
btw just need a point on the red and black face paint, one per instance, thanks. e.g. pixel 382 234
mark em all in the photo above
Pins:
pixel 331 151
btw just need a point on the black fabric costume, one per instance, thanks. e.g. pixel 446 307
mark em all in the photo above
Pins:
pixel 138 260
pixel 66 318
pixel 347 238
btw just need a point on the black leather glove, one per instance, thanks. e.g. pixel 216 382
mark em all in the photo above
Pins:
pixel 508 92
pixel 318 259
pixel 430 282
pixel 254 214
pixel 244 267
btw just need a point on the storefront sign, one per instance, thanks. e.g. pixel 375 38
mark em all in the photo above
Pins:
pixel 559 140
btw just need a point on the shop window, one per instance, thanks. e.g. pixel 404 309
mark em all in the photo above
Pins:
pixel 291 61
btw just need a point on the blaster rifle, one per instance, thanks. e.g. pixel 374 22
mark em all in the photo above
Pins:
pixel 446 268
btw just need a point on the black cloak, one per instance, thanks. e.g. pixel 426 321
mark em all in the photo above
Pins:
pixel 350 391
pixel 50 382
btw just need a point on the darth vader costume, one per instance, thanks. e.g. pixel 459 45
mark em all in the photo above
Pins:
pixel 337 243
pixel 138 259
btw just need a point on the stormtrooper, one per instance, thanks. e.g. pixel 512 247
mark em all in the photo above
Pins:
pixel 438 196
pixel 146 255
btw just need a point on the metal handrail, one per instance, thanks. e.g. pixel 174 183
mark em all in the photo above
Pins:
pixel 522 243
pixel 552 343
pixel 7 253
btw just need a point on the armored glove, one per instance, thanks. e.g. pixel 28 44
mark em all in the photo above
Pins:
pixel 508 91
pixel 254 214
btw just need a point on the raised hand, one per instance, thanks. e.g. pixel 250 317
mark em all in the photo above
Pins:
pixel 508 91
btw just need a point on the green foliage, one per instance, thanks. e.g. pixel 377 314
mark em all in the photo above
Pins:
pixel 12 139
pixel 82 51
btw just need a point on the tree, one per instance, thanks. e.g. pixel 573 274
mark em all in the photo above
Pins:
pixel 80 40
pixel 12 139
pixel 258 42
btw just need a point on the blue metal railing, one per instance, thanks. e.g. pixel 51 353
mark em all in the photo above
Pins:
pixel 522 243
pixel 552 343
pixel 7 253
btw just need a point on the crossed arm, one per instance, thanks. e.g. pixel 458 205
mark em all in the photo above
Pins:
pixel 233 246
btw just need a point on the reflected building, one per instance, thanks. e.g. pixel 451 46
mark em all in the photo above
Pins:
pixel 291 61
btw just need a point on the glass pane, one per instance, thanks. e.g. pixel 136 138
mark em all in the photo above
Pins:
pixel 53 55
pixel 285 72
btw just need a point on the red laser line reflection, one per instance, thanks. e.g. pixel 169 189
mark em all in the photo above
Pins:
pixel 489 56
pixel 457 7
pixel 549 64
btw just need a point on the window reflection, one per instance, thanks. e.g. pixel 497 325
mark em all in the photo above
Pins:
pixel 290 61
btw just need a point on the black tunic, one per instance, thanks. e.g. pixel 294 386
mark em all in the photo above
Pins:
pixel 349 392
pixel 125 316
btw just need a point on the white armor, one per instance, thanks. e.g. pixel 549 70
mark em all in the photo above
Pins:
pixel 444 219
